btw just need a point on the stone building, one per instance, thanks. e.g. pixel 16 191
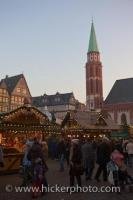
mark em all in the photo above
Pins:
pixel 57 103
pixel 94 88
pixel 14 92
pixel 119 102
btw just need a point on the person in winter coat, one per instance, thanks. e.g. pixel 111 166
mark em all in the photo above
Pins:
pixel 67 145
pixel 88 153
pixel 45 149
pixel 1 157
pixel 75 162
pixel 26 165
pixel 38 177
pixel 61 149
pixel 129 149
pixel 35 152
pixel 118 158
pixel 103 157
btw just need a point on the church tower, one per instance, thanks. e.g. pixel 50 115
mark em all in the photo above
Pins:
pixel 94 88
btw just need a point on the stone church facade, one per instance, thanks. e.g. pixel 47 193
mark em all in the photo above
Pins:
pixel 119 102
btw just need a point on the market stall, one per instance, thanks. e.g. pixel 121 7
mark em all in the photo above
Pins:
pixel 16 127
pixel 87 125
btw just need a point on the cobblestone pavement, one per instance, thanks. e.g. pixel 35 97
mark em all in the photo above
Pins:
pixel 61 178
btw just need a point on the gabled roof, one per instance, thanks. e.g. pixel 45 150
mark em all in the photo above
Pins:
pixel 121 92
pixel 89 120
pixel 11 82
pixel 24 115
pixel 3 85
pixel 50 100
pixel 93 47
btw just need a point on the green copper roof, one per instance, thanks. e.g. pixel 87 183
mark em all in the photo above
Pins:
pixel 93 42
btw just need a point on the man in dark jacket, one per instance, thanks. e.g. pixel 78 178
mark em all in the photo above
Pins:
pixel 61 149
pixel 103 157
pixel 75 162
pixel 1 157
pixel 35 152
pixel 88 153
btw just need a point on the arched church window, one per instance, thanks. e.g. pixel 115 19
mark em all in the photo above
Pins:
pixel 123 118
pixel 97 71
pixel 95 57
pixel 91 71
pixel 91 85
pixel 97 87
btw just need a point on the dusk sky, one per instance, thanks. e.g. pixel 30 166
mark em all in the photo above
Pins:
pixel 47 40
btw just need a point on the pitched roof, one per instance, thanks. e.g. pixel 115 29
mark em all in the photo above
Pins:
pixel 89 119
pixel 93 47
pixel 11 82
pixel 52 100
pixel 121 92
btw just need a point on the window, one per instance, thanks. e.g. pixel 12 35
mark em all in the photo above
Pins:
pixel 91 105
pixel 57 99
pixel 24 91
pixel 3 99
pixel 72 99
pixel 0 99
pixel 4 109
pixel 6 99
pixel 123 119
pixel 16 99
pixel 44 100
pixel 13 107
pixel 97 87
pixel 91 86
pixel 0 91
pixel 18 90
pixel 4 91
pixel 95 57
pixel 97 71
pixel 12 99
pixel 91 71
pixel 19 99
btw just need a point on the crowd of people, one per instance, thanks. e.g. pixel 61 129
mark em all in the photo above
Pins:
pixel 112 158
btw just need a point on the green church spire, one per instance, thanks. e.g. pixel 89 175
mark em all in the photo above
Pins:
pixel 93 41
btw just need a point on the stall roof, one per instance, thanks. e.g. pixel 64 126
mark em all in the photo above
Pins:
pixel 89 120
pixel 26 118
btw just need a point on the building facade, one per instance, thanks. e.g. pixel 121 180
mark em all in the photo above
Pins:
pixel 94 88
pixel 58 103
pixel 14 92
pixel 119 102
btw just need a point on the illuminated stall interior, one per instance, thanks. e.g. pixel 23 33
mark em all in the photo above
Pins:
pixel 24 123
